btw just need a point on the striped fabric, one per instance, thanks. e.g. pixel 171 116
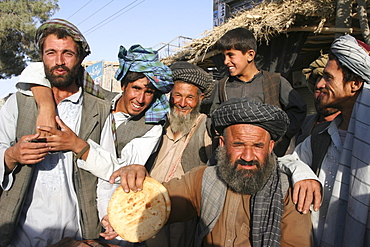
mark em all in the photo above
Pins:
pixel 249 111
pixel 146 60
pixel 69 27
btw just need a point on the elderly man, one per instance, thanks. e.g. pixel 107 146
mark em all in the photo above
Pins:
pixel 185 144
pixel 343 219
pixel 244 200
pixel 46 195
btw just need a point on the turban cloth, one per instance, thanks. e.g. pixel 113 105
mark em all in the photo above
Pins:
pixel 248 111
pixel 71 29
pixel 145 60
pixel 190 73
pixel 352 55
pixel 315 70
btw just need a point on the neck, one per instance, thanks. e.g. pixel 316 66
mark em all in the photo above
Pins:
pixel 249 72
pixel 61 93
pixel 347 112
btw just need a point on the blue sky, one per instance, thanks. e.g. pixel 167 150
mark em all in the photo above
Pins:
pixel 107 24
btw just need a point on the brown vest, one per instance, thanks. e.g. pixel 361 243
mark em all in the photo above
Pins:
pixel 94 113
pixel 271 88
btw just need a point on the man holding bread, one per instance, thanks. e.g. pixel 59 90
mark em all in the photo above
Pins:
pixel 245 200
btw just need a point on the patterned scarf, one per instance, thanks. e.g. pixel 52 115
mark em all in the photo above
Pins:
pixel 267 210
pixel 69 27
pixel 139 59
pixel 353 176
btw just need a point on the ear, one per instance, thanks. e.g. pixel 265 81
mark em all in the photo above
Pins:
pixel 271 145
pixel 250 54
pixel 356 85
pixel 202 97
pixel 221 141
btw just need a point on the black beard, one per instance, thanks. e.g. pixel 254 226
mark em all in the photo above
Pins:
pixel 246 182
pixel 180 123
pixel 62 80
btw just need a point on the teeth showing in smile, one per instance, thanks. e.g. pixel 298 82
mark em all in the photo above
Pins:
pixel 136 106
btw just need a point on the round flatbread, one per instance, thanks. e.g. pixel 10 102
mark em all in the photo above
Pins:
pixel 138 216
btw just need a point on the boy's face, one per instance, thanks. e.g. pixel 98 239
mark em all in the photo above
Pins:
pixel 137 96
pixel 237 62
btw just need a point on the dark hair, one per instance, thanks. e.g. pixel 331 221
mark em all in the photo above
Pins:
pixel 348 75
pixel 239 39
pixel 60 33
pixel 131 77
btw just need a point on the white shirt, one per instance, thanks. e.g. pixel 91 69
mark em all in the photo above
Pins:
pixel 137 151
pixel 327 175
pixel 51 210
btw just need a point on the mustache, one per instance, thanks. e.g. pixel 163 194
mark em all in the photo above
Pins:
pixel 182 108
pixel 56 67
pixel 247 163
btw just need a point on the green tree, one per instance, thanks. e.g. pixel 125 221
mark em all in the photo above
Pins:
pixel 18 20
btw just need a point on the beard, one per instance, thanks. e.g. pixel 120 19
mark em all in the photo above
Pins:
pixel 183 123
pixel 62 80
pixel 246 182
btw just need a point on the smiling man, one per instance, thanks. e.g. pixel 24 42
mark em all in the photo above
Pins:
pixel 239 48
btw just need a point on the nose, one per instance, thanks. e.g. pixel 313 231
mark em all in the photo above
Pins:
pixel 247 154
pixel 140 97
pixel 320 84
pixel 226 60
pixel 60 60
pixel 182 102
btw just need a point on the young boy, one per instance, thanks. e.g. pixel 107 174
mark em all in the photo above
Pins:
pixel 239 48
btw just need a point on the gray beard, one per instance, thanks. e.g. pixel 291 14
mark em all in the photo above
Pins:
pixel 183 124
pixel 237 180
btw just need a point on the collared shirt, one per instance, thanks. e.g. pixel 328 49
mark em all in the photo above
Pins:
pixel 233 225
pixel 327 176
pixel 51 209
pixel 168 163
pixel 137 151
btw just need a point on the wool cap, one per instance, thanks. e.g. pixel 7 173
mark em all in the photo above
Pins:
pixel 249 111
pixel 190 73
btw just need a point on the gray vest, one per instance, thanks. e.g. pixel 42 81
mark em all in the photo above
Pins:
pixel 195 154
pixel 94 113
pixel 134 128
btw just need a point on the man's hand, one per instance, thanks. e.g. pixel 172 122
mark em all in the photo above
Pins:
pixel 305 193
pixel 64 139
pixel 109 231
pixel 132 177
pixel 28 150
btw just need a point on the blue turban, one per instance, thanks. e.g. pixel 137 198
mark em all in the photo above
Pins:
pixel 146 60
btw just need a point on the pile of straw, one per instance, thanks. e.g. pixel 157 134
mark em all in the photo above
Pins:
pixel 265 20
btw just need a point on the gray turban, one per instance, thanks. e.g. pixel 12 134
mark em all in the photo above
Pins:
pixel 249 111
pixel 190 73
pixel 352 55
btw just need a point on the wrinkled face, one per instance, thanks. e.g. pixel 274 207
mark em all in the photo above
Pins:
pixel 184 98
pixel 246 143
pixel 237 62
pixel 245 160
pixel 332 90
pixel 61 61
pixel 317 101
pixel 137 96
